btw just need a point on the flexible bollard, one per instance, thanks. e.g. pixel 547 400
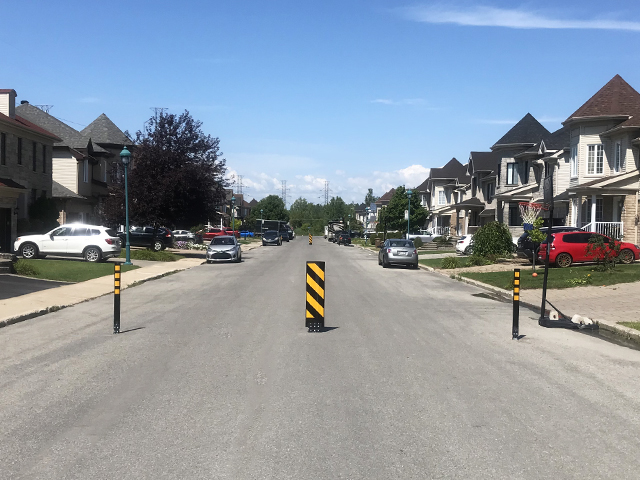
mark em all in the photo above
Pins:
pixel 310 239
pixel 116 298
pixel 515 328
pixel 315 296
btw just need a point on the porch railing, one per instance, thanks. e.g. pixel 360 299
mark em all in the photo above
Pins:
pixel 610 229
pixel 441 231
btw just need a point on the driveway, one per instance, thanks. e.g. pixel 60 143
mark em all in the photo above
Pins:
pixel 15 285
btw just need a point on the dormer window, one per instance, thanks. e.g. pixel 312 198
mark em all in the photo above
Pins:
pixel 442 198
pixel 512 173
pixel 595 160
pixel 573 161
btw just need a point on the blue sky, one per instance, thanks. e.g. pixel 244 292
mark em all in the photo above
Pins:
pixel 359 93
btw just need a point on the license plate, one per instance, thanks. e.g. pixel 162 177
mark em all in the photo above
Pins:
pixel 401 253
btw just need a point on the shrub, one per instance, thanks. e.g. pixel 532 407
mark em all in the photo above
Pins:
pixel 24 268
pixel 450 262
pixel 492 239
pixel 161 256
pixel 577 281
pixel 605 254
pixel 477 261
pixel 417 242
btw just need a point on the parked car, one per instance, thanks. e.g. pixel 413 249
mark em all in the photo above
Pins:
pixel 464 245
pixel 571 247
pixel 344 239
pixel 154 238
pixel 527 248
pixel 92 242
pixel 224 248
pixel 246 234
pixel 208 233
pixel 398 251
pixel 284 235
pixel 233 233
pixel 184 236
pixel 271 237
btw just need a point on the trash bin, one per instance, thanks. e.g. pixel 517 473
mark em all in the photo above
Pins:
pixel 378 242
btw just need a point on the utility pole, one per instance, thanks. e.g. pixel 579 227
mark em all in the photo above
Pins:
pixel 284 193
pixel 326 192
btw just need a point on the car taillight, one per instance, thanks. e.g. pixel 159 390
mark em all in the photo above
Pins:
pixel 415 252
pixel 109 241
pixel 388 250
pixel 168 235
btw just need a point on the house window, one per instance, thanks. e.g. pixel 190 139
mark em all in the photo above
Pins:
pixel 617 158
pixel 44 159
pixel 442 198
pixel 595 160
pixel 33 154
pixel 515 220
pixel 85 168
pixel 525 174
pixel 19 151
pixel 599 210
pixel 512 171
pixel 573 161
pixel 3 149
pixel 490 191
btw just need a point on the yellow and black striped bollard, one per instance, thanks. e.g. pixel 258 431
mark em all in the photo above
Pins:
pixel 314 312
pixel 116 298
pixel 310 239
pixel 515 329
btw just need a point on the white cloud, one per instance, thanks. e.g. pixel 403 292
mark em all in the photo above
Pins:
pixel 340 172
pixel 520 18
pixel 381 182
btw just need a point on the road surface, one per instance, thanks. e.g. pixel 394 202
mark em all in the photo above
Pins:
pixel 215 377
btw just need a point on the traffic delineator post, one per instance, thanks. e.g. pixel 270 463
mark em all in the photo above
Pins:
pixel 310 239
pixel 515 327
pixel 117 281
pixel 314 312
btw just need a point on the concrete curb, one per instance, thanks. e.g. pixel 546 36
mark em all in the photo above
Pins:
pixel 102 286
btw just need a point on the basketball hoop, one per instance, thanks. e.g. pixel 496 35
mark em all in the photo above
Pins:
pixel 529 211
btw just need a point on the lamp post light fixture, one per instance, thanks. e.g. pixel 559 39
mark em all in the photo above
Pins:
pixel 125 157
pixel 233 215
pixel 409 192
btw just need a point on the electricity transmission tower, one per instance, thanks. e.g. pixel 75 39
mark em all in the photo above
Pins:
pixel 326 192
pixel 44 108
pixel 284 192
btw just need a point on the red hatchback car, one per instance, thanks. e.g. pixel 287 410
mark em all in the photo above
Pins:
pixel 571 247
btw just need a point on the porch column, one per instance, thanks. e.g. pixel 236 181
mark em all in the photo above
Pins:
pixel 615 214
pixel 593 212
pixel 466 221
pixel 578 219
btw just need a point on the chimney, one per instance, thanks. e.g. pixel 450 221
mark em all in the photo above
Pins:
pixel 8 102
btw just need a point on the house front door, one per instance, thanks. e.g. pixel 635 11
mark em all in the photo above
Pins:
pixel 5 230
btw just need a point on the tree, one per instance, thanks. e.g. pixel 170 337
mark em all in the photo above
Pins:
pixel 176 177
pixel 369 197
pixel 272 208
pixel 337 209
pixel 393 215
pixel 494 238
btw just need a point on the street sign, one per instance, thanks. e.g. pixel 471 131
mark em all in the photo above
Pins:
pixel 406 214
pixel 314 313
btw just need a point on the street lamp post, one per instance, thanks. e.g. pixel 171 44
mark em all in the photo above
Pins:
pixel 125 156
pixel 366 228
pixel 261 222
pixel 409 192
pixel 233 215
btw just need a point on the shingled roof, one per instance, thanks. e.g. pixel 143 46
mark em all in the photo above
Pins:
pixel 24 123
pixel 484 161
pixel 387 196
pixel 103 130
pixel 453 170
pixel 526 132
pixel 559 139
pixel 68 136
pixel 616 99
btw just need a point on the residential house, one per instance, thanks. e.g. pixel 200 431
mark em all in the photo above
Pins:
pixel 80 168
pixel 368 219
pixel 382 202
pixel 25 167
pixel 444 188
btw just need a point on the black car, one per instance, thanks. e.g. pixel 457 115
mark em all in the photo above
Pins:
pixel 344 239
pixel 155 239
pixel 285 235
pixel 271 237
pixel 526 247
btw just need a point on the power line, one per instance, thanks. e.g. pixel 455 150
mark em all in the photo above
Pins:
pixel 44 108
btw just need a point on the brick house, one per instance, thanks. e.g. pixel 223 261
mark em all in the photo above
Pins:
pixel 25 167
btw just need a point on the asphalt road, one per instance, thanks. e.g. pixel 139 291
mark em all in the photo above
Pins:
pixel 216 377
pixel 14 285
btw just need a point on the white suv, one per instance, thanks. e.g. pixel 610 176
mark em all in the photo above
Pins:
pixel 92 242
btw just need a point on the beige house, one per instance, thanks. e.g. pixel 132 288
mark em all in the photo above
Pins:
pixel 25 167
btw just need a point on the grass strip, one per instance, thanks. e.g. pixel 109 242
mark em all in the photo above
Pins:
pixel 435 252
pixel 65 270
pixel 145 254
pixel 560 277
pixel 634 325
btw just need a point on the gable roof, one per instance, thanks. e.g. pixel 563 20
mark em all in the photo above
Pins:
pixel 452 170
pixel 616 99
pixel 559 139
pixel 527 131
pixel 483 161
pixel 103 130
pixel 24 123
pixel 68 136
pixel 387 196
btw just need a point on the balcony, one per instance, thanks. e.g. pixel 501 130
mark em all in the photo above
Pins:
pixel 610 229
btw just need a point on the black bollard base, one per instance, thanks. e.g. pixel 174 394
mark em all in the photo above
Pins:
pixel 563 322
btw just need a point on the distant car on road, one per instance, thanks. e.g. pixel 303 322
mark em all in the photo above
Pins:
pixel 92 242
pixel 344 239
pixel 398 251
pixel 284 235
pixel 224 248
pixel 184 236
pixel 246 234
pixel 271 237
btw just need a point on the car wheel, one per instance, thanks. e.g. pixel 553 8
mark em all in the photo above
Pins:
pixel 92 254
pixel 157 246
pixel 415 266
pixel 626 256
pixel 384 263
pixel 263 244
pixel 379 261
pixel 29 251
pixel 468 251
pixel 564 260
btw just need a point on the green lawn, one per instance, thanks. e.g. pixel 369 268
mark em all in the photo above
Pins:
pixel 560 277
pixel 65 270
pixel 437 262
pixel 146 254
pixel 435 252
pixel 635 325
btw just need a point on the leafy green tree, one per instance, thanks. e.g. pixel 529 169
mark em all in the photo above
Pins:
pixel 494 238
pixel 272 208
pixel 369 197
pixel 393 215
pixel 337 209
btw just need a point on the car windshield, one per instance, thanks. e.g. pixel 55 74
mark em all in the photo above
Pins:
pixel 401 243
pixel 111 232
pixel 270 234
pixel 222 241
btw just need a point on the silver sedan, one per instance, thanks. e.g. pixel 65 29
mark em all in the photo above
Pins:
pixel 398 251
pixel 224 248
